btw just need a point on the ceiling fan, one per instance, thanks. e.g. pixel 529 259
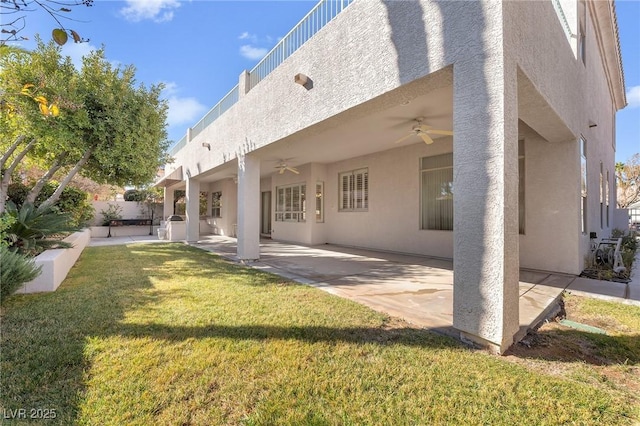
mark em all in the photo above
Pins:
pixel 283 167
pixel 424 131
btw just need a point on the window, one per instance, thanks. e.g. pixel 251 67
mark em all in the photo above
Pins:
pixel 601 196
pixel 583 184
pixel 436 189
pixel 606 196
pixel 521 182
pixel 320 202
pixel 216 204
pixel 290 205
pixel 354 190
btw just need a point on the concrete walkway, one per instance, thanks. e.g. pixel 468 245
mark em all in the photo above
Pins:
pixel 417 289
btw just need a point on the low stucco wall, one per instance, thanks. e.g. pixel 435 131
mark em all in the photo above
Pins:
pixel 129 210
pixel 121 231
pixel 56 264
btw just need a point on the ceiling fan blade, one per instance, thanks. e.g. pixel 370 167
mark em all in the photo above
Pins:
pixel 440 132
pixel 293 170
pixel 282 169
pixel 405 137
pixel 425 137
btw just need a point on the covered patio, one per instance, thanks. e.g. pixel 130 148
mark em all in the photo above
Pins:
pixel 415 288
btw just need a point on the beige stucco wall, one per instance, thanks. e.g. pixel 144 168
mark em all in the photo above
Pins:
pixel 398 42
pixel 223 225
pixel 580 95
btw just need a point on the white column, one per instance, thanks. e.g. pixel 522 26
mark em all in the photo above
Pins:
pixel 168 203
pixel 193 209
pixel 485 160
pixel 248 207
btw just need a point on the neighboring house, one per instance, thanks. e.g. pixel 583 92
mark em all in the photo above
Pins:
pixel 529 89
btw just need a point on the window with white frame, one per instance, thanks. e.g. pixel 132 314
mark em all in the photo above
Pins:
pixel 521 188
pixel 606 196
pixel 354 190
pixel 601 196
pixel 216 204
pixel 436 188
pixel 291 203
pixel 320 202
pixel 583 184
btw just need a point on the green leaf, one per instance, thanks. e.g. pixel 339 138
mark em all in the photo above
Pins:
pixel 59 36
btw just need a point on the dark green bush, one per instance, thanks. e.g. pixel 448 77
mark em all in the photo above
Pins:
pixel 16 270
pixel 5 223
pixel 134 195
pixel 73 201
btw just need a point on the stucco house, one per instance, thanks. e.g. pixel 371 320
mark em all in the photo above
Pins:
pixel 480 131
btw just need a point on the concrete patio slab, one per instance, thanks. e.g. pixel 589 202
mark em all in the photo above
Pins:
pixel 414 288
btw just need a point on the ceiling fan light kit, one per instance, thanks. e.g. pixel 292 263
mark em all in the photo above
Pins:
pixel 283 167
pixel 423 131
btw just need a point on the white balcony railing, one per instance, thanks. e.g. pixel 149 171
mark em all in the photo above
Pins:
pixel 177 147
pixel 317 18
pixel 225 103
pixel 563 19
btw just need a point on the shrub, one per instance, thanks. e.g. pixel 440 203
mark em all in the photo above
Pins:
pixel 16 270
pixel 628 246
pixel 32 230
pixel 134 195
pixel 73 201
pixel 113 212
pixel 5 223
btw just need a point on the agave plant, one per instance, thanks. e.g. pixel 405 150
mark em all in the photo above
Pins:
pixel 35 230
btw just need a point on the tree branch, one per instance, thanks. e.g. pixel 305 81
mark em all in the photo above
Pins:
pixel 10 151
pixel 6 176
pixel 35 191
pixel 63 184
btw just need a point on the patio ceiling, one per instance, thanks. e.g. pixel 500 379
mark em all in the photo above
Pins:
pixel 370 127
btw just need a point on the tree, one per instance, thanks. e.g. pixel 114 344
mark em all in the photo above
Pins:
pixel 628 181
pixel 14 18
pixel 107 128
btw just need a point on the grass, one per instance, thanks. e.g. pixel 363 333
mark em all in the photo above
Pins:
pixel 169 334
pixel 608 362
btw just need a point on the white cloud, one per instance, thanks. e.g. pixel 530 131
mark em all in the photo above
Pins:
pixel 633 96
pixel 182 110
pixel 253 52
pixel 247 36
pixel 76 51
pixel 155 10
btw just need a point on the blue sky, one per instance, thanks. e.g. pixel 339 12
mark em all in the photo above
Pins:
pixel 199 48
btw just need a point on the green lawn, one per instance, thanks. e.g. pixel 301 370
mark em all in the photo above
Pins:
pixel 169 334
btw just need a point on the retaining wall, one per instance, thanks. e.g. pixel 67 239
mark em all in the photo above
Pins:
pixel 56 264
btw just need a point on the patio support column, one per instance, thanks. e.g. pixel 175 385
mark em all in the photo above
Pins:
pixel 485 181
pixel 248 207
pixel 193 209
pixel 168 203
